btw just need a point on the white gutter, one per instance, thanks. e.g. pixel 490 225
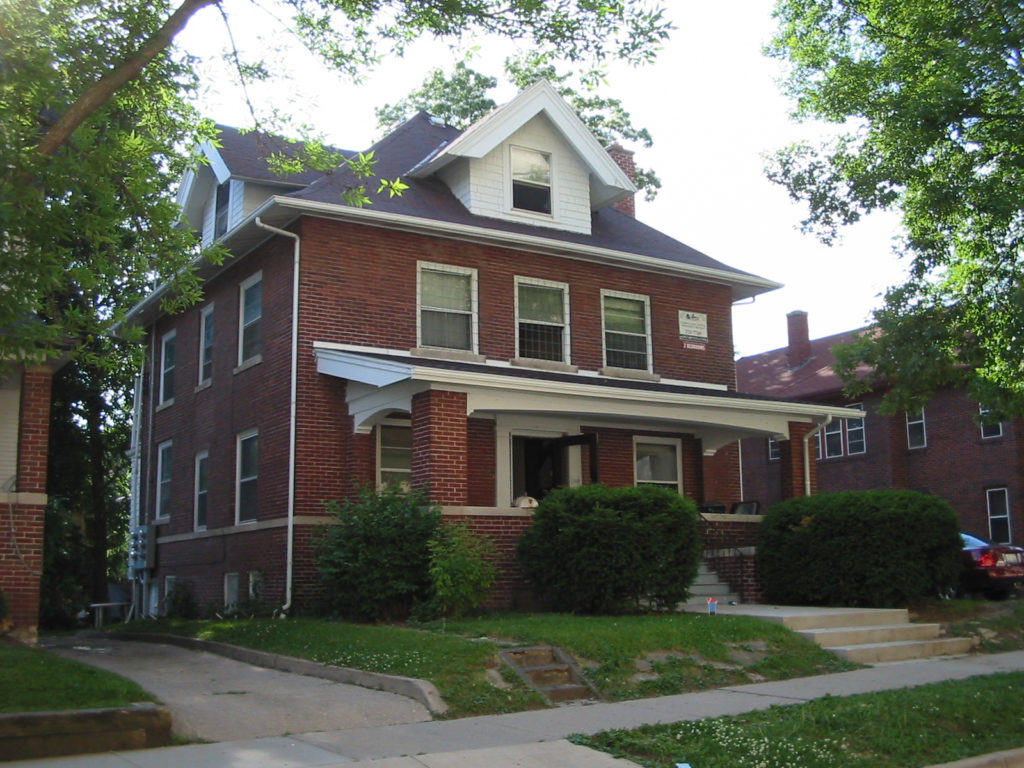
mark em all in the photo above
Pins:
pixel 807 453
pixel 289 558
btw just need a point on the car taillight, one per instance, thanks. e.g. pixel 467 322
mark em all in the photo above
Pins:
pixel 987 560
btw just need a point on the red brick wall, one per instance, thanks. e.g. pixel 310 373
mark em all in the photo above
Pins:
pixel 34 430
pixel 439 443
pixel 511 590
pixel 482 446
pixel 21 563
pixel 616 465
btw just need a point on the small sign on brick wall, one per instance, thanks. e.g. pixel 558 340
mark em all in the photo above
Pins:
pixel 693 329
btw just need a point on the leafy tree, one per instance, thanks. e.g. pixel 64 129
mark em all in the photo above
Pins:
pixel 460 99
pixel 928 99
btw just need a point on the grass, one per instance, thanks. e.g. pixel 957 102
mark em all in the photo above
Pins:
pixel 33 680
pixel 625 657
pixel 997 625
pixel 893 729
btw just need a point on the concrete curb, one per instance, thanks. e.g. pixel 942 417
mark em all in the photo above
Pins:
pixel 423 691
pixel 34 735
pixel 1011 758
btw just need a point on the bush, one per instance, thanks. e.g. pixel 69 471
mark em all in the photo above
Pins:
pixel 858 548
pixel 462 570
pixel 594 549
pixel 182 602
pixel 373 563
pixel 5 610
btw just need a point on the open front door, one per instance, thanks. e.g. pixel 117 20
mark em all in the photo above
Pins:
pixel 540 464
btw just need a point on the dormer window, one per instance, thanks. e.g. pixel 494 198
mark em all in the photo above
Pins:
pixel 531 180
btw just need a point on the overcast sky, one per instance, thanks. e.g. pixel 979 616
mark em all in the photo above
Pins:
pixel 713 106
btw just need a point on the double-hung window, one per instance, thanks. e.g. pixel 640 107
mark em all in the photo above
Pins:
pixel 855 436
pixel 447 307
pixel 626 323
pixel 542 311
pixel 394 454
pixel 917 434
pixel 247 486
pixel 164 463
pixel 774 449
pixel 834 440
pixel 202 491
pixel 250 319
pixel 206 344
pixel 657 461
pixel 998 501
pixel 167 365
pixel 989 427
pixel 531 180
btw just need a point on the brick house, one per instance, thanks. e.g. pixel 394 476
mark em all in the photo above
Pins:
pixel 945 449
pixel 24 434
pixel 503 327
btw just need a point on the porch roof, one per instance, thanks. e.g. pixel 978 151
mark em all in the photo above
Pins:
pixel 383 381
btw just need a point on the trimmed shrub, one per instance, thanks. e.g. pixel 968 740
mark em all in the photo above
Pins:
pixel 877 549
pixel 373 563
pixel 594 549
pixel 462 569
pixel 5 610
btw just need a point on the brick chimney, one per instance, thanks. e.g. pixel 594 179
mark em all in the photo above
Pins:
pixel 799 350
pixel 624 158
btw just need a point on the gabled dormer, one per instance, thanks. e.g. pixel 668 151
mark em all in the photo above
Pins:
pixel 531 161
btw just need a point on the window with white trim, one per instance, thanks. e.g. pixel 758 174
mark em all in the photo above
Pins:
pixel 257 586
pixel 917 433
pixel 833 439
pixel 394 454
pixel 170 583
pixel 167 365
pixel 856 438
pixel 531 180
pixel 658 461
pixel 206 344
pixel 164 462
pixel 447 299
pixel 247 485
pixel 221 208
pixel 990 428
pixel 250 319
pixel 230 590
pixel 542 312
pixel 842 437
pixel 202 490
pixel 998 502
pixel 626 323
pixel 774 449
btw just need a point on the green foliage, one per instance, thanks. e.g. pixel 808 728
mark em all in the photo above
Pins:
pixel 858 548
pixel 373 562
pixel 5 608
pixel 63 587
pixel 594 549
pixel 462 569
pixel 928 106
pixel 182 602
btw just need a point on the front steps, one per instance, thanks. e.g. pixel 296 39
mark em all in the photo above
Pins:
pixel 550 671
pixel 708 585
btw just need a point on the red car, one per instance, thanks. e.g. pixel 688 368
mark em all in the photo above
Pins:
pixel 992 569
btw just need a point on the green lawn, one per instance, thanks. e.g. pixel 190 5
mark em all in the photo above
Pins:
pixel 33 680
pixel 894 729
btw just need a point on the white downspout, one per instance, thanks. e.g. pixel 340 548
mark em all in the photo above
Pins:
pixel 289 558
pixel 807 453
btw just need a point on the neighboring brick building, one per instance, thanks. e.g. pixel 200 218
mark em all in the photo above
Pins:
pixel 945 449
pixel 503 327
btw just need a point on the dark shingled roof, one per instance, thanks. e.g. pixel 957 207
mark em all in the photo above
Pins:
pixel 245 155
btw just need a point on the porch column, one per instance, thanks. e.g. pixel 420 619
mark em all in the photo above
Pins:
pixel 439 446
pixel 792 464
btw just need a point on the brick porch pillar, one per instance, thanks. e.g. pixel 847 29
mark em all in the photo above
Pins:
pixel 439 446
pixel 792 464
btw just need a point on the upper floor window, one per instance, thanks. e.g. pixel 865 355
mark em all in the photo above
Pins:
pixel 998 502
pixel 856 441
pixel 206 344
pixel 250 318
pixel 164 456
pixel 246 492
pixel 222 205
pixel 626 320
pixel 834 439
pixel 167 365
pixel 657 461
pixel 447 307
pixel 394 454
pixel 531 180
pixel 917 434
pixel 202 491
pixel 843 437
pixel 989 427
pixel 542 309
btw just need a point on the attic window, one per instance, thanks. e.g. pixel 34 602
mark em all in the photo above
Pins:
pixel 223 201
pixel 531 180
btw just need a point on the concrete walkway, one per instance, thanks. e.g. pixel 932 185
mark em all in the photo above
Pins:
pixel 530 739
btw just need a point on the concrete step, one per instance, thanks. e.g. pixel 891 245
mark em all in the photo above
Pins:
pixel 878 653
pixel 710 590
pixel 549 675
pixel 811 618
pixel 831 637
pixel 551 672
pixel 562 694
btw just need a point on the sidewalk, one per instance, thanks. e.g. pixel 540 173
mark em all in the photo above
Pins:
pixel 533 739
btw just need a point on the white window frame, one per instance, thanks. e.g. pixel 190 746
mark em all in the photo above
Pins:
pixel 774 450
pixel 651 440
pixel 510 190
pixel 1006 516
pixel 257 585
pixel 164 461
pixel 833 428
pixel 554 285
pixel 220 228
pixel 231 585
pixel 608 293
pixel 206 323
pixel 244 286
pixel 170 582
pixel 168 341
pixel 201 456
pixel 380 434
pixel 998 427
pixel 922 420
pixel 239 479
pixel 864 435
pixel 474 313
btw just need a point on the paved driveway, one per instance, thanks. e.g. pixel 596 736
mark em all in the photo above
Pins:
pixel 217 699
